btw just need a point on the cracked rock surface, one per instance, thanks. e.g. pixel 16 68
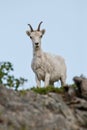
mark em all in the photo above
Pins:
pixel 32 111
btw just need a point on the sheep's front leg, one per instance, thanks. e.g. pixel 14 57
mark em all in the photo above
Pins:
pixel 47 79
pixel 38 81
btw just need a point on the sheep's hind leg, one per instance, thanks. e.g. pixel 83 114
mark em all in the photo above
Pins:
pixel 63 81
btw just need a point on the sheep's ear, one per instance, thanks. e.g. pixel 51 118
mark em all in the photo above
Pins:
pixel 28 33
pixel 43 31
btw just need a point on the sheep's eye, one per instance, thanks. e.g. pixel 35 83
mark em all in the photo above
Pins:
pixel 41 36
pixel 30 37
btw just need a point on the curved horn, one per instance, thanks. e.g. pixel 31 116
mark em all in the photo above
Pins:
pixel 38 29
pixel 30 27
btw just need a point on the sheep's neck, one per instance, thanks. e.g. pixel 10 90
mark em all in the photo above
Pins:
pixel 38 52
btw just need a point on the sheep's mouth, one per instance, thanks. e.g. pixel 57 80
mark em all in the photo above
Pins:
pixel 37 46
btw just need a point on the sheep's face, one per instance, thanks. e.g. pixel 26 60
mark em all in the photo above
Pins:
pixel 36 36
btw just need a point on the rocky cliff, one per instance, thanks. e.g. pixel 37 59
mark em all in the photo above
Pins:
pixel 32 111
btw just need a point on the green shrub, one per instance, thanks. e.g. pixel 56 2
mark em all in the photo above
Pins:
pixel 7 79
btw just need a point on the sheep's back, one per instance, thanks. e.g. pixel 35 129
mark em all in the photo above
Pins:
pixel 55 65
pixel 56 62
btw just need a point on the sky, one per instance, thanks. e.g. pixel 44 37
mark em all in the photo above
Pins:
pixel 65 22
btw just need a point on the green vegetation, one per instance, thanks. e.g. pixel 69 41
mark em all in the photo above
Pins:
pixel 74 86
pixel 45 90
pixel 23 92
pixel 7 79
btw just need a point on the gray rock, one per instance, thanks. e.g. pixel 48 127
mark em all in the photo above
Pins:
pixel 31 111
pixel 81 83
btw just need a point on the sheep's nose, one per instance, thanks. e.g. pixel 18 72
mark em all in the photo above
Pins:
pixel 36 43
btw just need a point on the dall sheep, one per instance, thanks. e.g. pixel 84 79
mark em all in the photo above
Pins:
pixel 48 68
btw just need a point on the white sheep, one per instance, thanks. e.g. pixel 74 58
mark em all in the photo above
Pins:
pixel 47 67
